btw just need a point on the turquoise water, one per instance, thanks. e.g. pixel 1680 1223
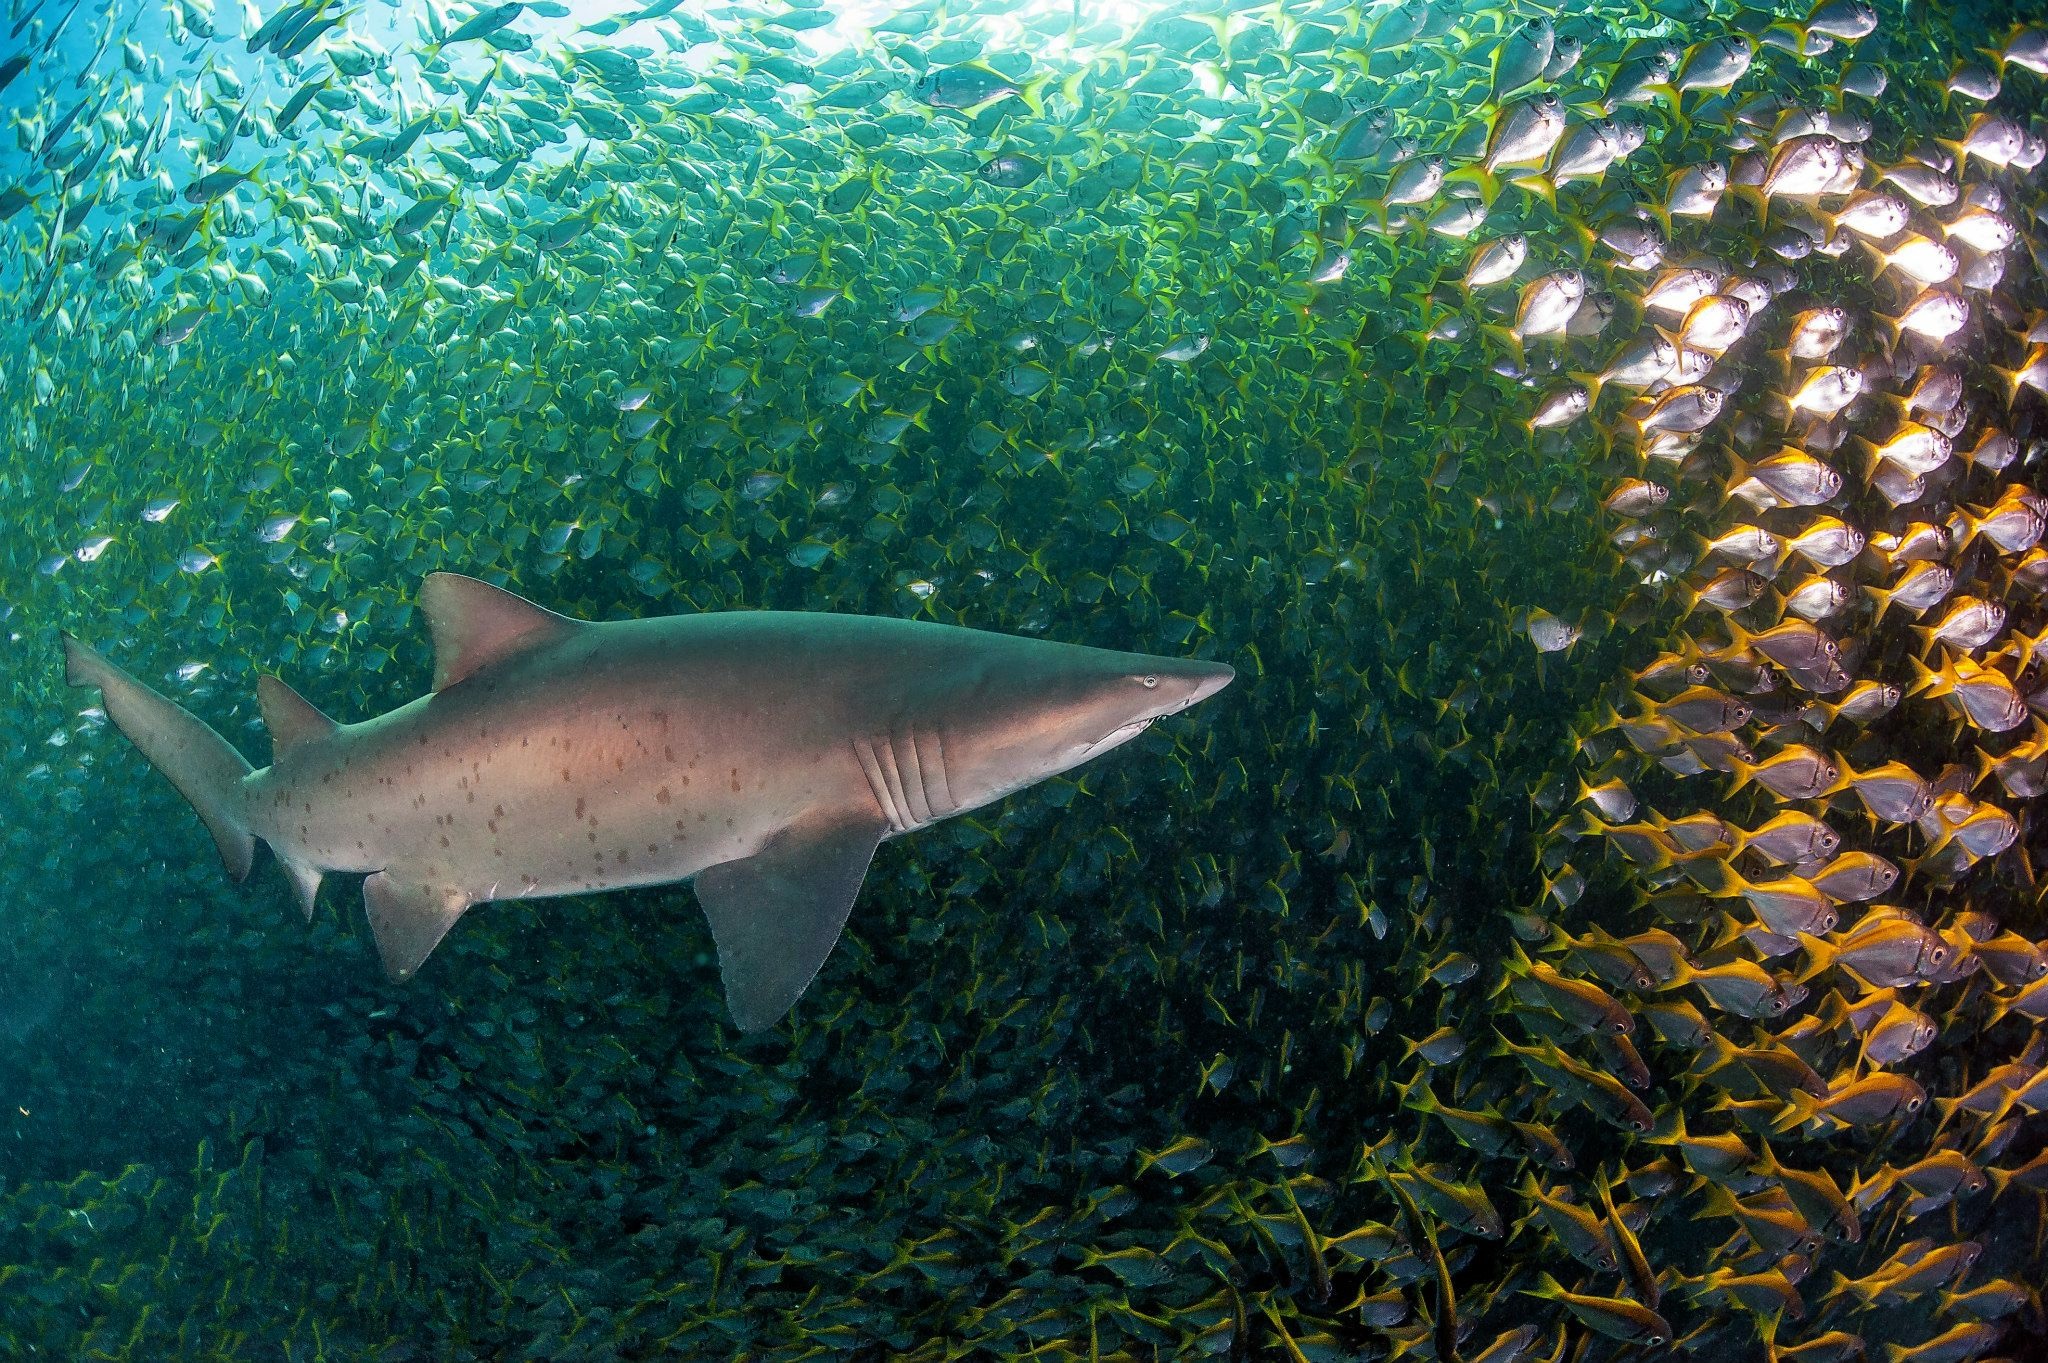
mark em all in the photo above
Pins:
pixel 1157 329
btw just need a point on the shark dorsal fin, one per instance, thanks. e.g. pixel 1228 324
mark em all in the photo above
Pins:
pixel 475 624
pixel 290 717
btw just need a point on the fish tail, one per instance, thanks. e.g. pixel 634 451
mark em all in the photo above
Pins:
pixel 204 767
pixel 2012 382
pixel 1986 765
pixel 1541 186
pixel 1871 459
pixel 1767 1333
pixel 1676 96
pixel 1820 956
pixel 1757 199
pixel 1744 773
pixel 1506 336
pixel 1738 473
pixel 1406 1094
pixel 1800 1108
pixel 1478 174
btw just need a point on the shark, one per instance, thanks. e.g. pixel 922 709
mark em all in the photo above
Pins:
pixel 762 756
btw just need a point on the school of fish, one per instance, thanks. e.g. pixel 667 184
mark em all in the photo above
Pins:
pixel 1601 922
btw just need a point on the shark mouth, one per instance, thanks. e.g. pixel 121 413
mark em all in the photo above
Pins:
pixel 1117 737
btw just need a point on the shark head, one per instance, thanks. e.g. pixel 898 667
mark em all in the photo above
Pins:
pixel 1038 708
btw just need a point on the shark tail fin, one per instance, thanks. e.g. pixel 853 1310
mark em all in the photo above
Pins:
pixel 204 767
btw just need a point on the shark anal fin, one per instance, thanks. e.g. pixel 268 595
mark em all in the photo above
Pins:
pixel 777 914
pixel 475 624
pixel 409 920
pixel 290 717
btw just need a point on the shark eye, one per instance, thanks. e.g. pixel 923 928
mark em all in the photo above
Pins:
pixel 1148 682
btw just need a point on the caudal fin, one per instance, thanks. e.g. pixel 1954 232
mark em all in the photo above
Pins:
pixel 204 767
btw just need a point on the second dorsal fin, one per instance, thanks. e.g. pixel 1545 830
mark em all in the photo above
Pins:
pixel 290 717
pixel 475 624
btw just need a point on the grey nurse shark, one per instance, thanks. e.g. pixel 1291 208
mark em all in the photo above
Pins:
pixel 761 754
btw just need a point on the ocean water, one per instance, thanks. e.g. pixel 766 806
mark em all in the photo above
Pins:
pixel 1599 920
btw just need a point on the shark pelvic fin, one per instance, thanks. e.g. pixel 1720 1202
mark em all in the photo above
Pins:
pixel 777 914
pixel 475 624
pixel 290 717
pixel 305 884
pixel 204 767
pixel 409 920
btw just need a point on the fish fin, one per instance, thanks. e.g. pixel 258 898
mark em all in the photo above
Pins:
pixel 1032 93
pixel 475 624
pixel 409 920
pixel 1508 338
pixel 1820 954
pixel 1800 1108
pixel 203 766
pixel 305 883
pixel 777 914
pixel 290 717
pixel 1539 185
pixel 1478 175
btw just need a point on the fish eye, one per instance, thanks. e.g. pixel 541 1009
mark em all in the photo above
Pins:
pixel 1148 681
pixel 1912 1105
pixel 1937 954
pixel 1653 1340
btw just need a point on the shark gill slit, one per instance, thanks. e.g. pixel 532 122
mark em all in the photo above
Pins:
pixel 904 750
pixel 885 757
pixel 938 790
pixel 878 784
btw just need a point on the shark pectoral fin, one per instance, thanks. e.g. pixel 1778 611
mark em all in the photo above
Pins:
pixel 409 920
pixel 776 915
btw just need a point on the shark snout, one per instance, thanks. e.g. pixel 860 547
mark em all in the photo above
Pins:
pixel 1190 682
pixel 1209 679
